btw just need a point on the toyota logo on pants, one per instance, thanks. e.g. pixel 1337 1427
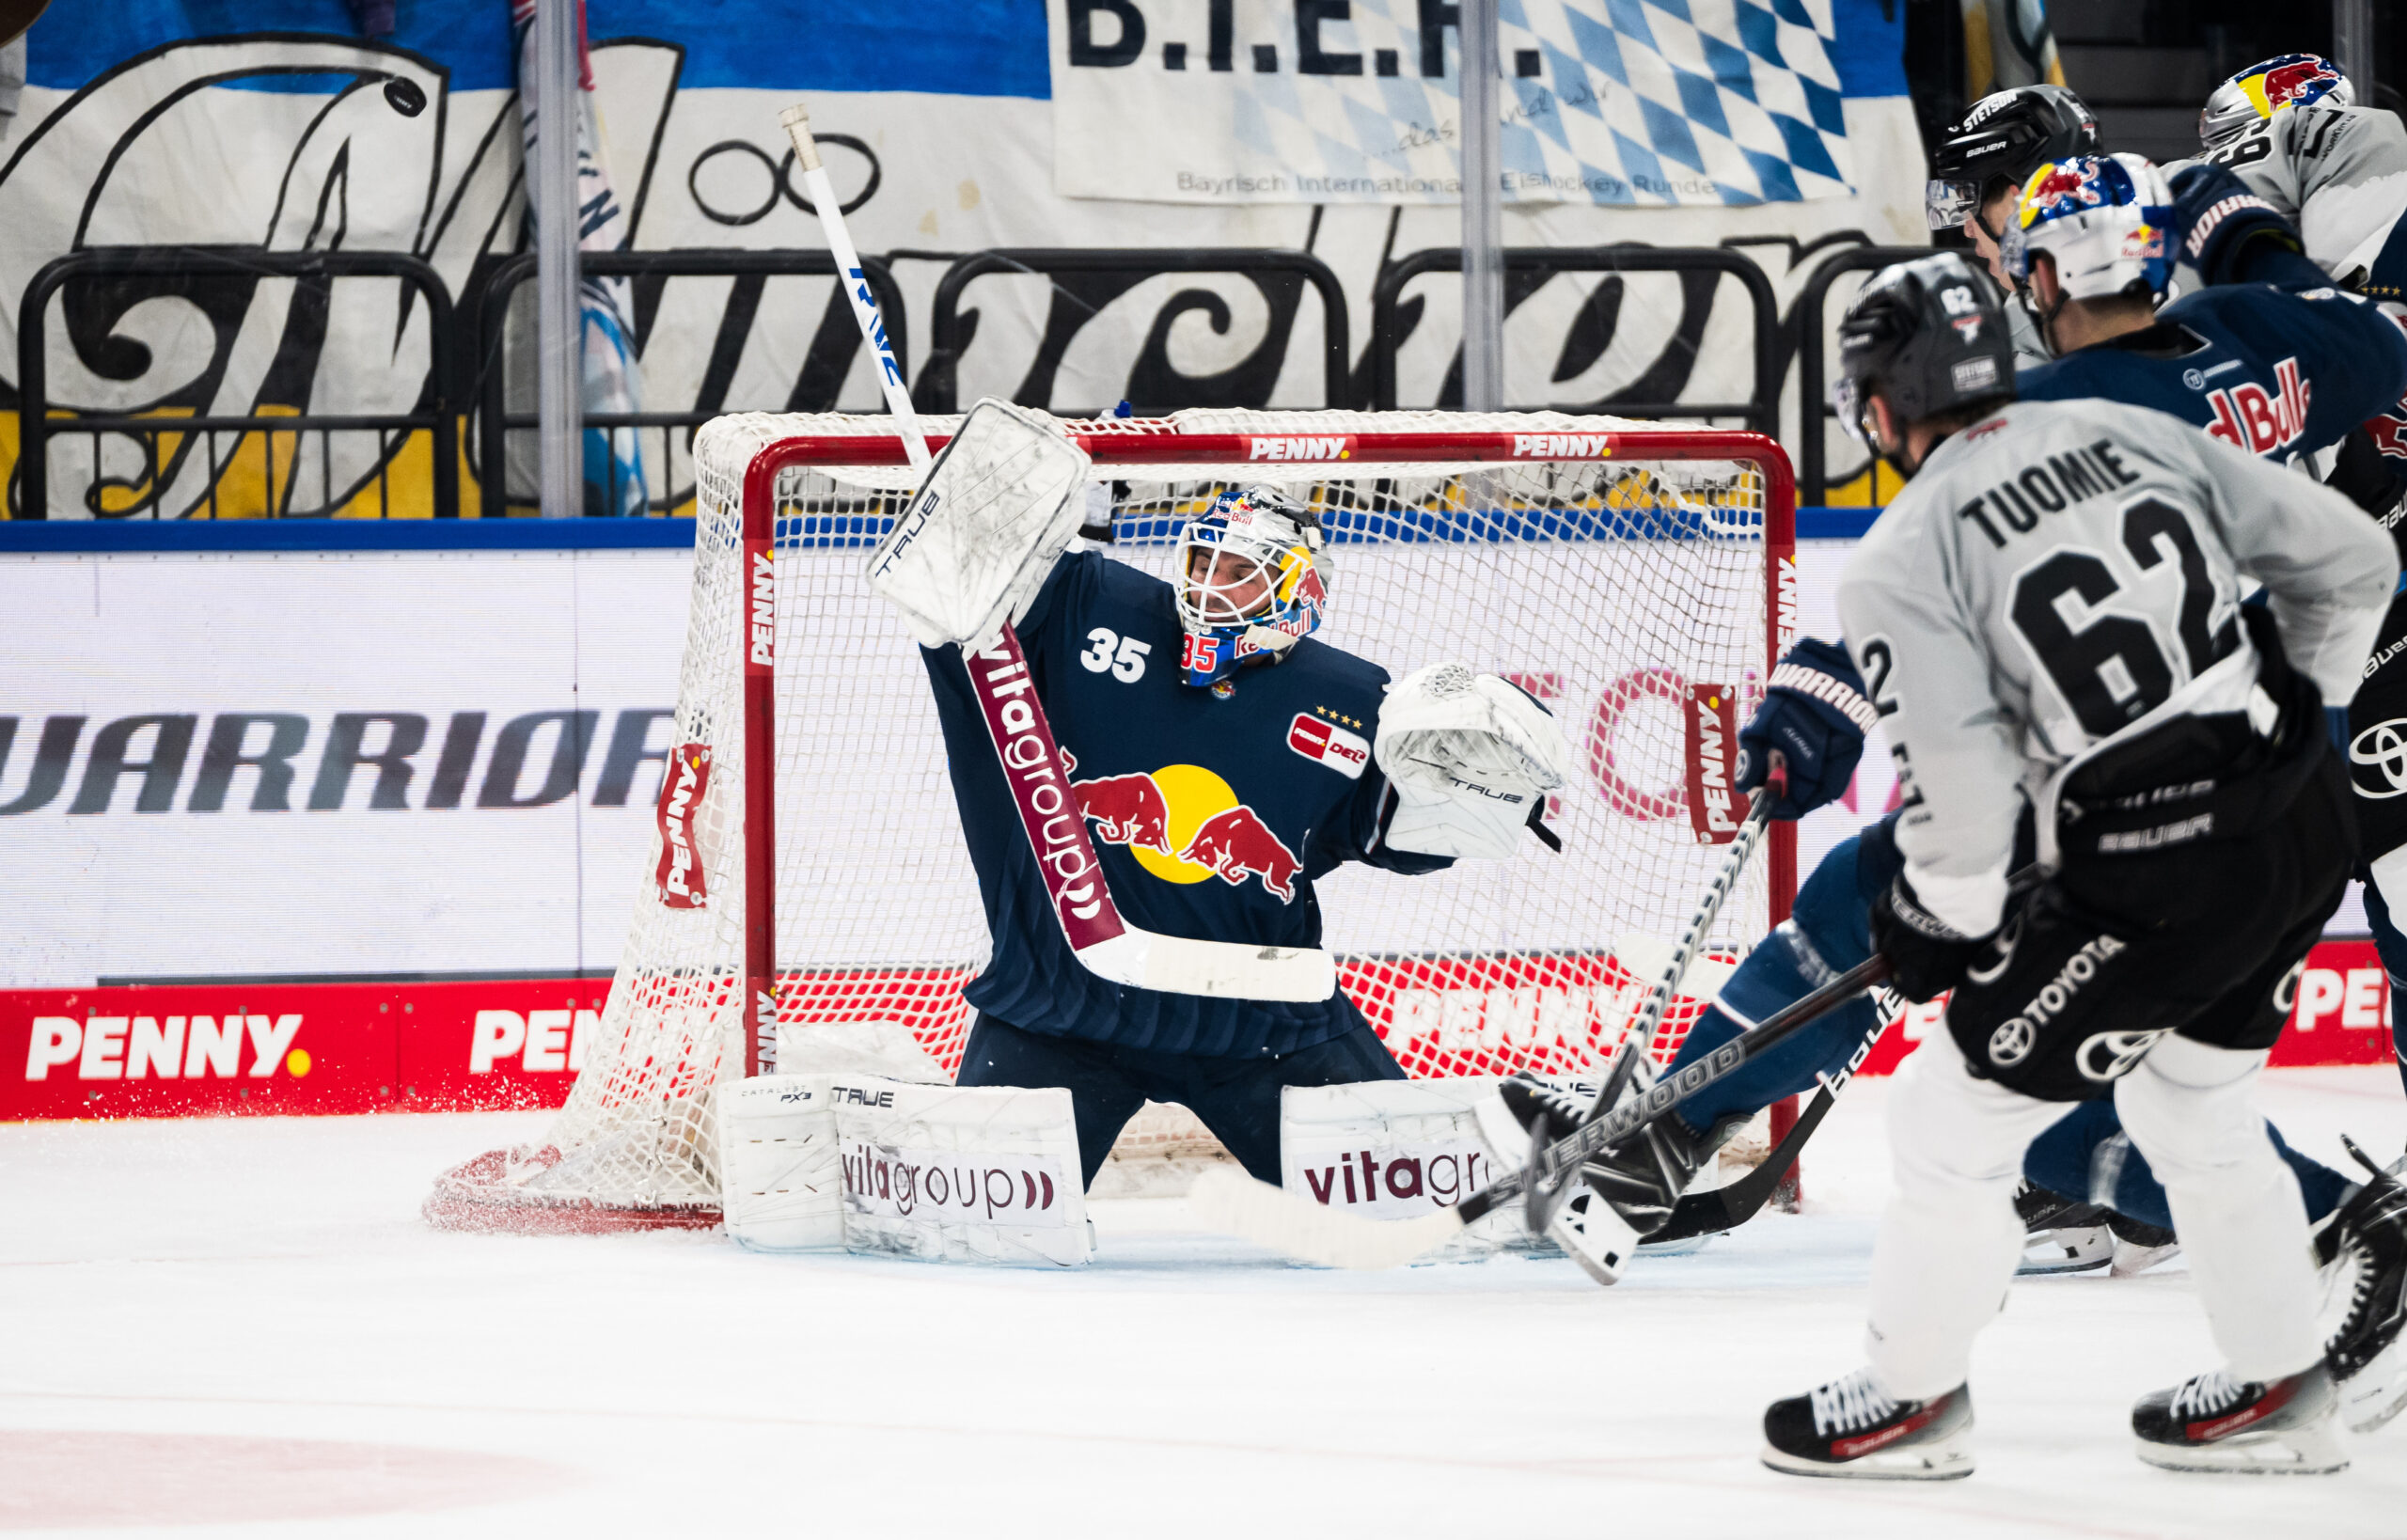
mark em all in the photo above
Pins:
pixel 2381 747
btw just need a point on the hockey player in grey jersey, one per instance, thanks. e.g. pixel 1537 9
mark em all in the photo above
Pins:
pixel 2048 623
pixel 2290 128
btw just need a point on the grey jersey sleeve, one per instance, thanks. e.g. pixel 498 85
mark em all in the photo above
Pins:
pixel 1958 768
pixel 2339 173
pixel 2328 570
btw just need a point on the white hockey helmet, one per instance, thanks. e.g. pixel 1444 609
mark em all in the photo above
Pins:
pixel 2107 220
pixel 2256 93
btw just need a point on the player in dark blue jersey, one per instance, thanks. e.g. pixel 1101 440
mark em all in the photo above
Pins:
pixel 2278 371
pixel 1225 761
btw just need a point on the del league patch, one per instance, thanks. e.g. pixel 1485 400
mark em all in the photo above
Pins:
pixel 1344 752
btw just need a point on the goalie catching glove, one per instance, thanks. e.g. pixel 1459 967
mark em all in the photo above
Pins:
pixel 979 538
pixel 1469 758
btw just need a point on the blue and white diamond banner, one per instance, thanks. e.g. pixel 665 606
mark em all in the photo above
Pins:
pixel 1695 103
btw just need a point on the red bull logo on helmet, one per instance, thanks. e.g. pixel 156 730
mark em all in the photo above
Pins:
pixel 2293 80
pixel 1185 824
pixel 2067 187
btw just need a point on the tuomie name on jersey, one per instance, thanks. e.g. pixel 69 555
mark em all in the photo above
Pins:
pixel 2050 486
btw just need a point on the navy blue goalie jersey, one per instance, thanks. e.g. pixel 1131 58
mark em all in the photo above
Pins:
pixel 2273 372
pixel 1212 811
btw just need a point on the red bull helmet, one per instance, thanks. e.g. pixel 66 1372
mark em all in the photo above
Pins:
pixel 1252 578
pixel 2106 219
pixel 2262 89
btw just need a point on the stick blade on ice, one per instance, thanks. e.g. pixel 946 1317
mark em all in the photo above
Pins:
pixel 1235 1203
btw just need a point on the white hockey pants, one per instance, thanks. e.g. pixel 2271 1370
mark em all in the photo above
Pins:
pixel 1950 1239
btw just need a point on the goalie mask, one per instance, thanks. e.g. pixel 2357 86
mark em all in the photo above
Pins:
pixel 1252 578
pixel 2258 93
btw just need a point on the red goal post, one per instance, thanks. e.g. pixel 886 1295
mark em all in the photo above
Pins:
pixel 1640 578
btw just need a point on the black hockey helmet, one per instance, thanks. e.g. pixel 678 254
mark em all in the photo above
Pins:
pixel 2003 138
pixel 1930 336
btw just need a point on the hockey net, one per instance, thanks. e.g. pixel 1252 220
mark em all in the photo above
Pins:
pixel 809 903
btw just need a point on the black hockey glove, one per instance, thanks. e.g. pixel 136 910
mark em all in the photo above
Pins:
pixel 2228 233
pixel 1815 714
pixel 1927 957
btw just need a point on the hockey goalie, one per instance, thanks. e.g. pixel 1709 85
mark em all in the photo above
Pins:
pixel 1221 760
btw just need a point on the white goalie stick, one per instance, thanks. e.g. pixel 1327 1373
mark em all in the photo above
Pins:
pixel 1104 943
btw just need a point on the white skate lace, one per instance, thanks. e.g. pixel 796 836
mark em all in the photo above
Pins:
pixel 2207 1394
pixel 1844 1406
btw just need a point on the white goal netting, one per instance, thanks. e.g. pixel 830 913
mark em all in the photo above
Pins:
pixel 1614 569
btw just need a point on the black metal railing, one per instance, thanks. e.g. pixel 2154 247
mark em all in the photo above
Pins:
pixel 1083 283
pixel 1096 276
pixel 1527 268
pixel 201 432
pixel 830 354
pixel 1814 407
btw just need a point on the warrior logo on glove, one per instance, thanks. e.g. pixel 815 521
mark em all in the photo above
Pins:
pixel 1253 576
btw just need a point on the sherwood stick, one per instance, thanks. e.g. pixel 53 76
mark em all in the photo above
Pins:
pixel 1545 1186
pixel 1291 1223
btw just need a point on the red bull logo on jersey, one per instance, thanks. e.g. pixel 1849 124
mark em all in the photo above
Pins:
pixel 1126 810
pixel 2248 417
pixel 1185 824
pixel 2389 432
pixel 1237 844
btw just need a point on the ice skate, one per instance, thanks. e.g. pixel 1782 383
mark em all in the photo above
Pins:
pixel 2213 1422
pixel 1854 1428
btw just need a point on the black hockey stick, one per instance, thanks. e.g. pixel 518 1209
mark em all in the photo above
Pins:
pixel 1728 1207
pixel 1230 1201
pixel 1554 1165
pixel 1543 1193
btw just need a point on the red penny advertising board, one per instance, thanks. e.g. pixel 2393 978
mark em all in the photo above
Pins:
pixel 178 1050
pixel 182 1050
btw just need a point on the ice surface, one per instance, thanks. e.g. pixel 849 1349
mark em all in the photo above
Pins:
pixel 241 1326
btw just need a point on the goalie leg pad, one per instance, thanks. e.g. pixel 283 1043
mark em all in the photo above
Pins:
pixel 778 1170
pixel 952 1174
pixel 1400 1150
